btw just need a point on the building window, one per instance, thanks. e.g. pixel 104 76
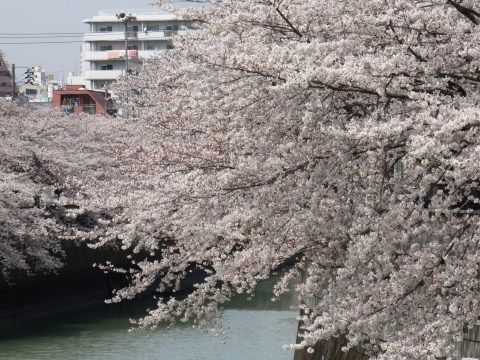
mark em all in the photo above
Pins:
pixel 105 29
pixel 153 27
pixel 106 67
pixel 154 45
pixel 132 47
pixel 31 91
pixel 4 73
pixel 105 47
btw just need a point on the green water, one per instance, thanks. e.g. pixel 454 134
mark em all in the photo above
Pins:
pixel 256 330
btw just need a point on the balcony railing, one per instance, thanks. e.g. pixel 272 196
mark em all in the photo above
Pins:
pixel 105 36
pixel 95 55
pixel 109 55
pixel 90 109
pixel 87 108
pixel 132 34
pixel 140 35
pixel 103 74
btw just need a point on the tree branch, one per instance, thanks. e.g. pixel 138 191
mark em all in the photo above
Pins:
pixel 470 14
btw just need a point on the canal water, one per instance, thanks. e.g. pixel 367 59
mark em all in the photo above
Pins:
pixel 256 330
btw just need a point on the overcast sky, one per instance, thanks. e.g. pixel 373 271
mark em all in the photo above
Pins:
pixel 30 17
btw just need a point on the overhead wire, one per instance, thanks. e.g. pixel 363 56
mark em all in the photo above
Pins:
pixel 38 37
pixel 60 34
pixel 46 35
pixel 41 42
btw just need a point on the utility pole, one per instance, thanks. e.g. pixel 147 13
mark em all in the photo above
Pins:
pixel 123 16
pixel 126 18
pixel 106 100
pixel 125 21
pixel 13 82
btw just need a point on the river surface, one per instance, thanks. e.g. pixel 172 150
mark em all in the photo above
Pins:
pixel 256 330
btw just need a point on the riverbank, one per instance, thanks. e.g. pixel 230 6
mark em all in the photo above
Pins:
pixel 76 286
pixel 255 329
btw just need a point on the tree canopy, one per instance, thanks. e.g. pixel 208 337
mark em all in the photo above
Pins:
pixel 340 134
pixel 43 154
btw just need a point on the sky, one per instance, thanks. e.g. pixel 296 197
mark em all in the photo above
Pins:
pixel 20 20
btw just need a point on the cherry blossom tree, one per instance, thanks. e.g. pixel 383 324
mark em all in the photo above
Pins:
pixel 40 150
pixel 342 135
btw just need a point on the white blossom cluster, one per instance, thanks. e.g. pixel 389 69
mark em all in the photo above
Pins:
pixel 40 151
pixel 342 134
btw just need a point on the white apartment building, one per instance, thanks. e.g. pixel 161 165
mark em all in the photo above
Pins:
pixel 40 87
pixel 103 49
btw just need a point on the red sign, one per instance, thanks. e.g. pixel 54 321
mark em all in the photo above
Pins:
pixel 132 53
pixel 117 54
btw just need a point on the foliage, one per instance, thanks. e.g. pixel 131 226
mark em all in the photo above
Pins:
pixel 341 134
pixel 39 151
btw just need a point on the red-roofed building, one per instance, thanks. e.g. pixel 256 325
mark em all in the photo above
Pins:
pixel 76 99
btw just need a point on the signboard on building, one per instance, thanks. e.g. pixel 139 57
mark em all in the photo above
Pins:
pixel 120 54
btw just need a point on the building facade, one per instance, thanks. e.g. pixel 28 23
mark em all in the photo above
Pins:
pixel 105 50
pixel 75 99
pixel 6 83
pixel 37 88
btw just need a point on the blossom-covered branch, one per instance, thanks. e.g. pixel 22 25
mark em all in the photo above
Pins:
pixel 352 149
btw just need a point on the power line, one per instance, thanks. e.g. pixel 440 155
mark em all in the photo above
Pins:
pixel 58 35
pixel 61 35
pixel 41 34
pixel 41 42
pixel 38 37
pixel 90 35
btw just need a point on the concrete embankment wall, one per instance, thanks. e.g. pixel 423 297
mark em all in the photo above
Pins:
pixel 77 285
pixel 332 349
pixel 329 350
pixel 470 346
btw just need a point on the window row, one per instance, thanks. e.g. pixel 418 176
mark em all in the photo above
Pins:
pixel 148 46
pixel 135 28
